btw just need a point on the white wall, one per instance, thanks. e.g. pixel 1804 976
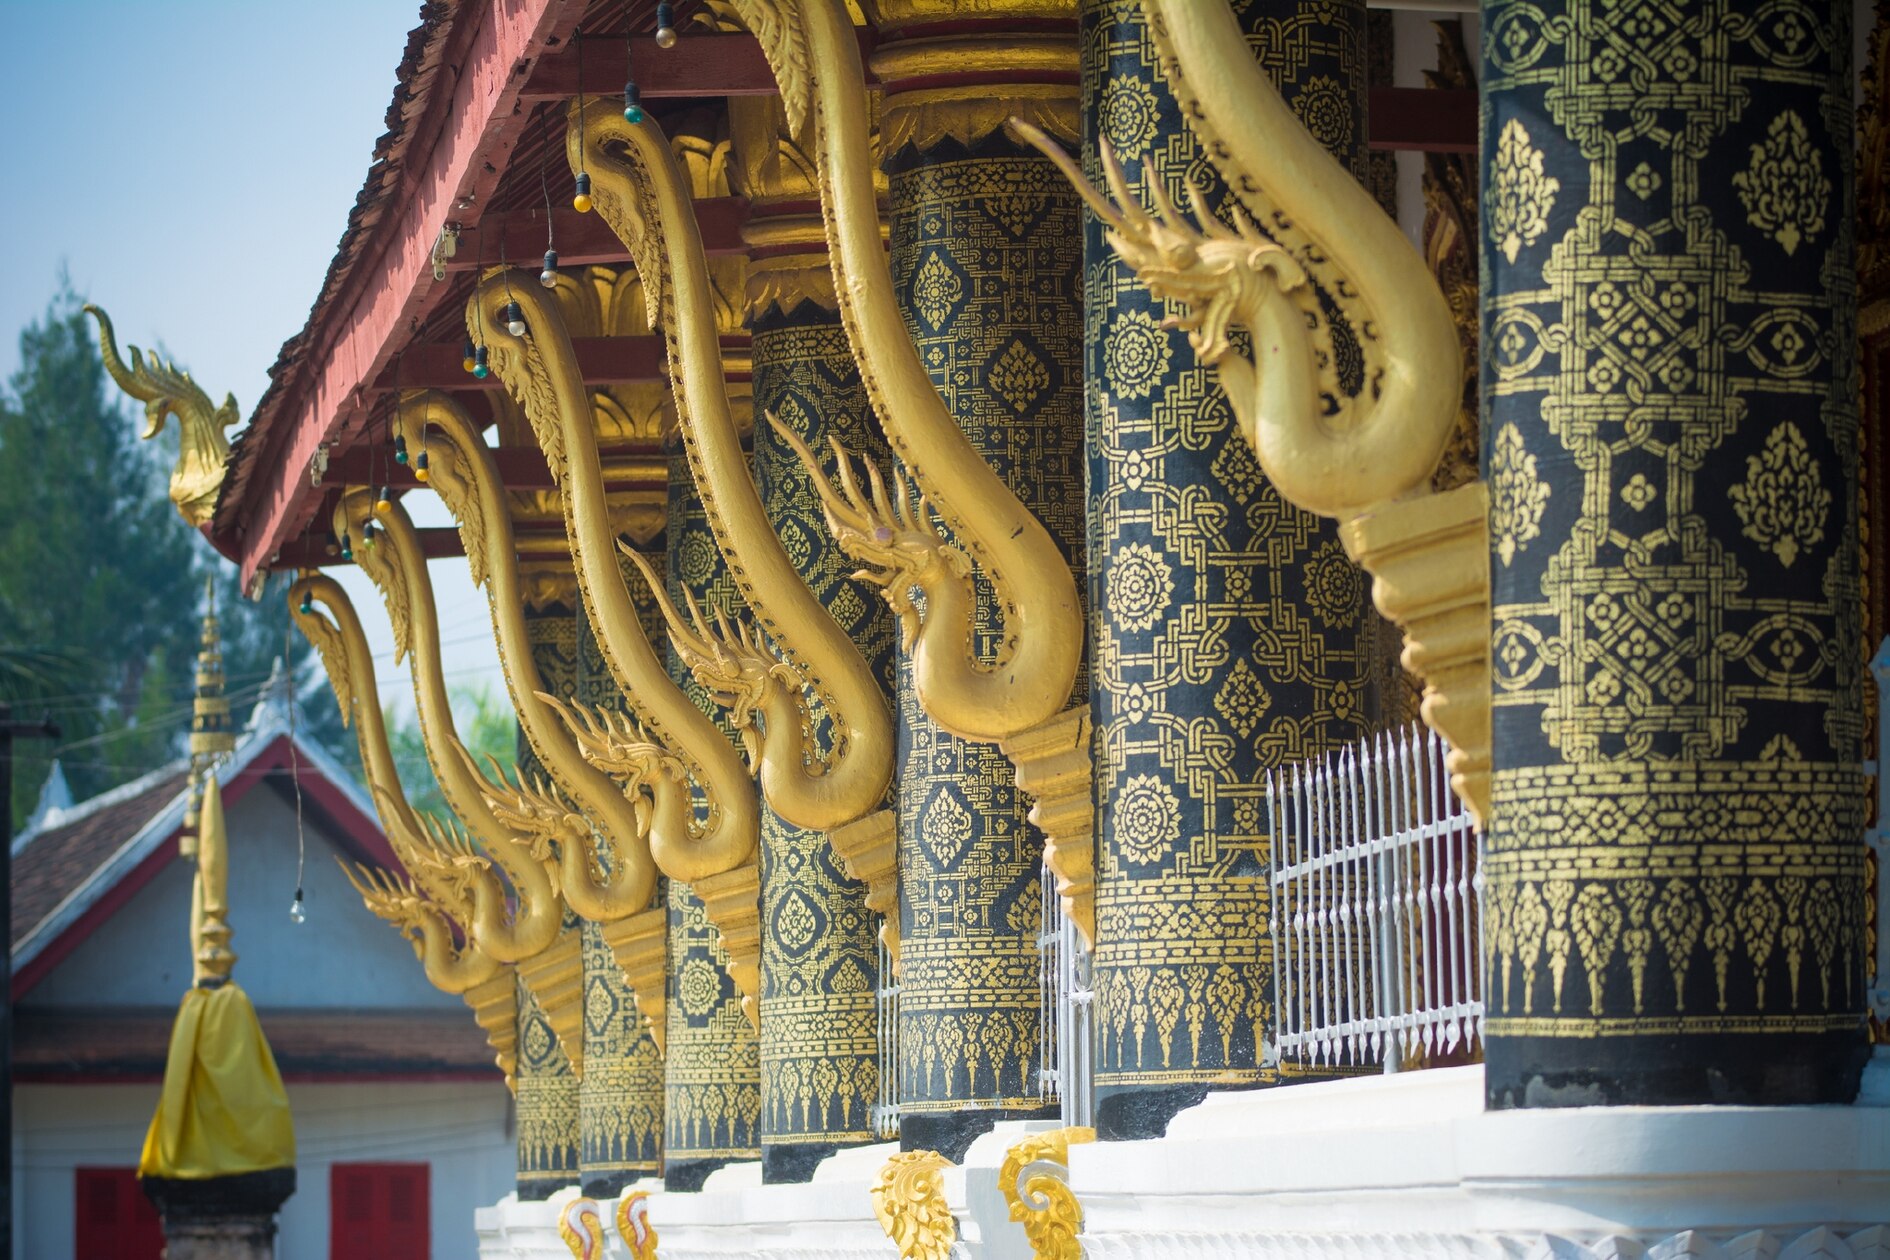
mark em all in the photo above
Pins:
pixel 463 1130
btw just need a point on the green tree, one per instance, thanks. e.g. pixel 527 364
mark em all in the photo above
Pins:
pixel 486 726
pixel 101 581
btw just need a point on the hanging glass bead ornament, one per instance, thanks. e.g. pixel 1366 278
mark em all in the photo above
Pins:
pixel 297 914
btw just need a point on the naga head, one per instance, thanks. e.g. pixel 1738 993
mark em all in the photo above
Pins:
pixel 531 807
pixel 888 529
pixel 203 451
pixel 731 660
pixel 449 853
pixel 392 898
pixel 1214 270
pixel 617 744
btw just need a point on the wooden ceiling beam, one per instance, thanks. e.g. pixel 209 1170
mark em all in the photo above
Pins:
pixel 701 64
pixel 520 468
pixel 1435 120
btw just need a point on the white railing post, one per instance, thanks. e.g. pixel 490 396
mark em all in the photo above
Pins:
pixel 885 1114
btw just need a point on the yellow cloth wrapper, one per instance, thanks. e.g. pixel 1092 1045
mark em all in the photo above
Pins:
pixel 223 1110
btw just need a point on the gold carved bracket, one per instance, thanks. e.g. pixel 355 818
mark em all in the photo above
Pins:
pixel 1035 1179
pixel 909 1201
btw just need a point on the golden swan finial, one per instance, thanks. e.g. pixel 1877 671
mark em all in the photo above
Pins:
pixel 397 567
pixel 591 812
pixel 644 197
pixel 1018 698
pixel 714 849
pixel 1303 220
pixel 203 453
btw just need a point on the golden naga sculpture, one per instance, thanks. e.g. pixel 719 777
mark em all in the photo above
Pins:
pixel 775 702
pixel 1018 698
pixel 909 1203
pixel 203 452
pixel 1035 1179
pixel 602 859
pixel 424 906
pixel 1366 459
pixel 673 744
pixel 633 1225
pixel 581 1227
pixel 397 567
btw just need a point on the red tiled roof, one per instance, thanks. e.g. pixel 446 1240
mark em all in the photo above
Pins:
pixel 50 1045
pixel 54 863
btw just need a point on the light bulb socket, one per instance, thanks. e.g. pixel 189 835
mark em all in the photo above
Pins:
pixel 514 316
pixel 466 359
pixel 665 25
pixel 400 448
pixel 308 604
pixel 632 102
pixel 479 363
pixel 581 201
pixel 549 276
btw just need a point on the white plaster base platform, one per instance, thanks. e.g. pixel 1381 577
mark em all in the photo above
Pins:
pixel 1397 1166
pixel 1412 1166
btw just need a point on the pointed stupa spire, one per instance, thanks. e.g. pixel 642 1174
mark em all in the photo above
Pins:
pixel 212 736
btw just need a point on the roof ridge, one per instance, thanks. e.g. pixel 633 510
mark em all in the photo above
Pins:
pixel 79 811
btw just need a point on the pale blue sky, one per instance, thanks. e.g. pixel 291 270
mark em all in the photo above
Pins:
pixel 192 164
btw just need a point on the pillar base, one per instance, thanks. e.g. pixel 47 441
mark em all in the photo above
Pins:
pixel 221 1218
pixel 1752 1070
pixel 951 1133
pixel 1128 1113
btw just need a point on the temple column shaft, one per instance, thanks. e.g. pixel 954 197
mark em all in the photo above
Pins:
pixel 712 1064
pixel 1231 633
pixel 620 1099
pixel 1674 866
pixel 547 1086
pixel 986 256
pixel 819 952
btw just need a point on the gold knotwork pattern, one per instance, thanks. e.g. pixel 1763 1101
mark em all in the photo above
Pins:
pixel 547 1105
pixel 549 1091
pixel 1035 1179
pixel 909 1202
pixel 712 1092
pixel 1229 629
pixel 1000 225
pixel 1677 802
pixel 819 962
pixel 620 1099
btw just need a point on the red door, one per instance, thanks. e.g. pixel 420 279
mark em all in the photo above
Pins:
pixel 377 1212
pixel 112 1216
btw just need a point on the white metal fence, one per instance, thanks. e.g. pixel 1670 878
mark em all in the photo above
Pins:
pixel 884 1115
pixel 1063 1029
pixel 1374 922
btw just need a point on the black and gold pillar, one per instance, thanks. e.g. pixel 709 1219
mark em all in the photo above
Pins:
pixel 1229 629
pixel 986 263
pixel 620 1099
pixel 548 1088
pixel 1674 858
pixel 819 952
pixel 712 1064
